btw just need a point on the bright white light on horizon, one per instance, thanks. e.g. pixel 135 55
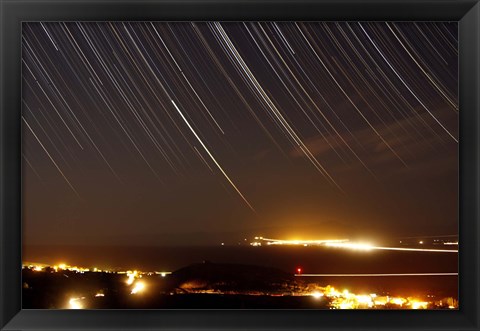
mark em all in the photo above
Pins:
pixel 355 246
pixel 419 305
pixel 299 242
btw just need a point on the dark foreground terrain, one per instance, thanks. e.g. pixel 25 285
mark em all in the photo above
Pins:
pixel 205 286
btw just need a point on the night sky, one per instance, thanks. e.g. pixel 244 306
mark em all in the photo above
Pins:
pixel 178 133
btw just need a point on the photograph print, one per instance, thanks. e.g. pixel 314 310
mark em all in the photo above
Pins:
pixel 240 165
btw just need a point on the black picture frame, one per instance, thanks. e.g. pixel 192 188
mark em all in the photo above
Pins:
pixel 13 12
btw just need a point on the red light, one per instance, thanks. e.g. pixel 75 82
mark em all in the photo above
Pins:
pixel 299 270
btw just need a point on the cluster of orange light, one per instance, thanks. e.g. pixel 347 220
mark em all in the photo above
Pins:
pixel 63 266
pixel 137 285
pixel 347 300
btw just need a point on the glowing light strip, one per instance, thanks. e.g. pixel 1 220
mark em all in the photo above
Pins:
pixel 343 243
pixel 378 275
pixel 301 242
pixel 368 247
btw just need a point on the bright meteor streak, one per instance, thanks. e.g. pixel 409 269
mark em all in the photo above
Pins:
pixel 211 156
pixel 379 275
pixel 370 247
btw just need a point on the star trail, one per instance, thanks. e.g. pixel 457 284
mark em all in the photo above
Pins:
pixel 188 126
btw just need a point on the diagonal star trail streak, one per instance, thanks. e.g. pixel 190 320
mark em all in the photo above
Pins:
pixel 50 156
pixel 211 156
pixel 406 85
pixel 290 131
pixel 312 97
pixel 349 99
